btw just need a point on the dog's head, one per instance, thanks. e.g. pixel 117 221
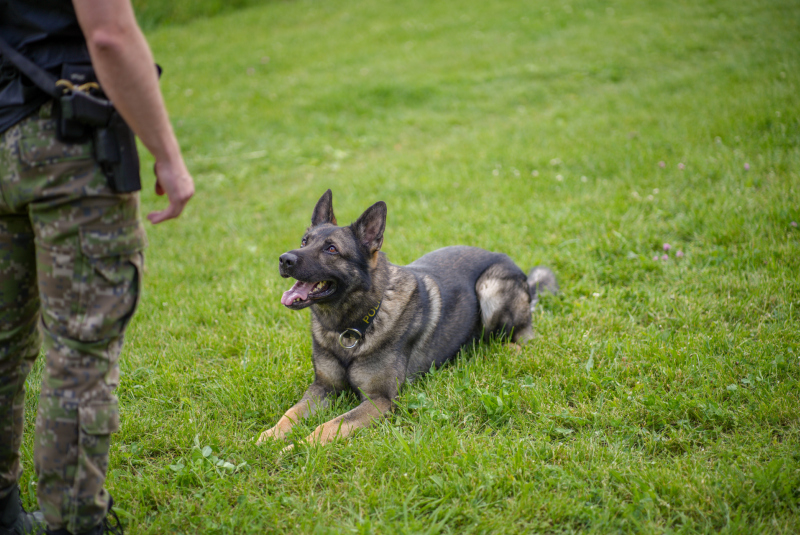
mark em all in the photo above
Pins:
pixel 333 262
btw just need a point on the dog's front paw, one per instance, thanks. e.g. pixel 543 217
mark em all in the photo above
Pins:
pixel 274 433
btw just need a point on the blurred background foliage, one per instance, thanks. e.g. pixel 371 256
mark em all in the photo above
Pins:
pixel 154 13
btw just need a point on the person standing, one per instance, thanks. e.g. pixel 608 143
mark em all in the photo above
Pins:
pixel 71 244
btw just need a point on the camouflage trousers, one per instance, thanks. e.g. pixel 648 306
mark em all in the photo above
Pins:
pixel 70 272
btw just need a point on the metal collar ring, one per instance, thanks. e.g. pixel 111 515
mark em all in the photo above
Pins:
pixel 351 333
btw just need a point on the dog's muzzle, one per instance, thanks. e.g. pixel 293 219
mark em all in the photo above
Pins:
pixel 287 262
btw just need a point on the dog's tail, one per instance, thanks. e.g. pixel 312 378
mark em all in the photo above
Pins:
pixel 541 278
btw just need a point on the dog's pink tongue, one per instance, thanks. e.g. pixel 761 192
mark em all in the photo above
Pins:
pixel 300 289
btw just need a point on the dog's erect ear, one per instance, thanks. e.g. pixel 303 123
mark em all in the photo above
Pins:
pixel 370 226
pixel 323 211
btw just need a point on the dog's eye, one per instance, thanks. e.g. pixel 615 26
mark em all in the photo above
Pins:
pixel 303 242
pixel 331 249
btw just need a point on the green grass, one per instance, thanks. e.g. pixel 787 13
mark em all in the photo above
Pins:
pixel 658 396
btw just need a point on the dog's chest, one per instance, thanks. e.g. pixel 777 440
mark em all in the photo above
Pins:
pixel 374 364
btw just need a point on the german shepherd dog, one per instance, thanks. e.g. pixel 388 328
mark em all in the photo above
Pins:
pixel 375 325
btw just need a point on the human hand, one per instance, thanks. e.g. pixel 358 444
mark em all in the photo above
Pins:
pixel 173 179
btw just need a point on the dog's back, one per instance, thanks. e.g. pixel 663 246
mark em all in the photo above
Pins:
pixel 481 293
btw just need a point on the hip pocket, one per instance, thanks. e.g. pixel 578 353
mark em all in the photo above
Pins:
pixel 38 146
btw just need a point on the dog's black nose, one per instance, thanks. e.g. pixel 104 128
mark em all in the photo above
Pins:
pixel 288 260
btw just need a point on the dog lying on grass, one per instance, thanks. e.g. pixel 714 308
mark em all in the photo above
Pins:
pixel 375 325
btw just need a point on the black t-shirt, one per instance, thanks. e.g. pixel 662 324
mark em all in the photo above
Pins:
pixel 47 33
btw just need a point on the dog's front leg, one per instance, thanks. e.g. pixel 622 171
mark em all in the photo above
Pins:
pixel 371 409
pixel 315 398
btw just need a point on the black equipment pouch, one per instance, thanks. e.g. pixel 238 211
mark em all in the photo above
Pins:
pixel 78 73
pixel 77 113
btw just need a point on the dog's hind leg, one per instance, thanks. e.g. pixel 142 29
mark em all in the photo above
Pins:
pixel 505 302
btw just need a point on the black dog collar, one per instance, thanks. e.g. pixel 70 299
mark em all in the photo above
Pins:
pixel 356 332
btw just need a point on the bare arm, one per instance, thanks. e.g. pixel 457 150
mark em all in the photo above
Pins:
pixel 125 67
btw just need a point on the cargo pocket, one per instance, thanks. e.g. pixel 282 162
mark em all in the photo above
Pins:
pixel 113 282
pixel 51 168
pixel 99 417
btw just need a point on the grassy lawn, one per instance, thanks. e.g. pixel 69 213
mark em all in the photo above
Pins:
pixel 659 395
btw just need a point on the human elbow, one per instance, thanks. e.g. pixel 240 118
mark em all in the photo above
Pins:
pixel 108 40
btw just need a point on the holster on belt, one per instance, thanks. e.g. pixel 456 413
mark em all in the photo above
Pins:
pixel 87 114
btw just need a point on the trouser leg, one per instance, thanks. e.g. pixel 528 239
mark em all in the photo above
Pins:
pixel 89 265
pixel 19 338
pixel 88 250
